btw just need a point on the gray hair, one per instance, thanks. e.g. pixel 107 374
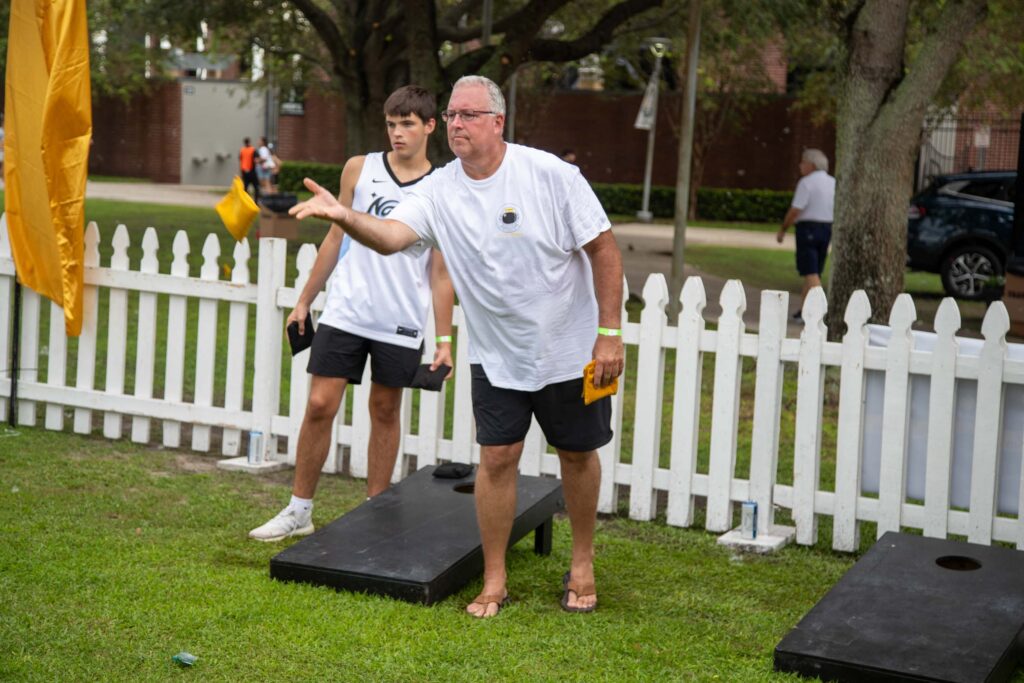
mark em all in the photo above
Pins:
pixel 493 91
pixel 816 158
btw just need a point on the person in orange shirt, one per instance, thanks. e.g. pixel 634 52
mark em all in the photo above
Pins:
pixel 248 169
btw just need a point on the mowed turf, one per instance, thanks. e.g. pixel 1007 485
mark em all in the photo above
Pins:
pixel 117 557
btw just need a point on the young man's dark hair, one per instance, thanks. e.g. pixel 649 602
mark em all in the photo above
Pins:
pixel 245 141
pixel 411 99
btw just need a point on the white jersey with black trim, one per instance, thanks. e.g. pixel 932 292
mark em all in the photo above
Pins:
pixel 384 298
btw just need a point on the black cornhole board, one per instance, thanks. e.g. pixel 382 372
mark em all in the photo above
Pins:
pixel 418 541
pixel 898 615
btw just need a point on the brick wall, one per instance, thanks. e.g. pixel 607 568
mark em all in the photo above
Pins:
pixel 599 126
pixel 316 135
pixel 142 137
pixel 139 138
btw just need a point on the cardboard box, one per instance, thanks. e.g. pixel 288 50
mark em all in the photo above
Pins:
pixel 278 225
pixel 1013 299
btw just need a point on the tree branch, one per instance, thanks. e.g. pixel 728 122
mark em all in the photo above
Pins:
pixel 937 55
pixel 450 20
pixel 544 50
pixel 328 31
pixel 528 15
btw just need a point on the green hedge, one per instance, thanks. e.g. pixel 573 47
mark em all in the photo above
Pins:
pixel 713 203
pixel 289 179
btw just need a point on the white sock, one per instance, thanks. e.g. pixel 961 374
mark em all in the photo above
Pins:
pixel 303 506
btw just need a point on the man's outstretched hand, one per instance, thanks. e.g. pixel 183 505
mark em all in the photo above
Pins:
pixel 322 205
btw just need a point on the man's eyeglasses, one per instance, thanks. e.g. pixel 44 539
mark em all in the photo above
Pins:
pixel 467 115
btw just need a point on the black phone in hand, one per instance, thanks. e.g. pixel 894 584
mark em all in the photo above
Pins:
pixel 300 342
pixel 430 380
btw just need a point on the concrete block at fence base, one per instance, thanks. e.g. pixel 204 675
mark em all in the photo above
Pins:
pixel 242 464
pixel 418 541
pixel 779 537
pixel 915 609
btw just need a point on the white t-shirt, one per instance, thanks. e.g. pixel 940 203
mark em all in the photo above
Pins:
pixel 384 298
pixel 815 196
pixel 512 243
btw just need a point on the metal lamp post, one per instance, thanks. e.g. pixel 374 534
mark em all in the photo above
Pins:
pixel 647 119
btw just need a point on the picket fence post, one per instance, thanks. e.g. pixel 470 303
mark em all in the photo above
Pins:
pixel 764 442
pixel 988 423
pixel 725 413
pixel 647 416
pixel 941 407
pixel 6 309
pixel 298 393
pixel 687 393
pixel 238 343
pixel 809 396
pixel 86 371
pixel 117 333
pixel 849 435
pixel 266 386
pixel 174 368
pixel 145 346
pixel 895 416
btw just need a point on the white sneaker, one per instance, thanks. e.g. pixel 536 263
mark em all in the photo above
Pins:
pixel 288 522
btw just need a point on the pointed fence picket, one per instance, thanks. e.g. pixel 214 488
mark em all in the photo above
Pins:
pixel 164 400
pixel 145 345
pixel 86 362
pixel 117 333
pixel 941 406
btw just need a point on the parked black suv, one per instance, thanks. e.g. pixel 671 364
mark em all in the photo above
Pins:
pixel 961 226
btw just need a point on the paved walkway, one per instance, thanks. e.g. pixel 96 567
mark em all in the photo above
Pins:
pixel 645 248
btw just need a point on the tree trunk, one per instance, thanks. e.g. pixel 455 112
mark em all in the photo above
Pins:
pixel 880 113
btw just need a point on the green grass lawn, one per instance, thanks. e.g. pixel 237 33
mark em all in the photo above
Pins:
pixel 117 557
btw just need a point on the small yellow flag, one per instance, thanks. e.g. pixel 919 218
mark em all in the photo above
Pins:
pixel 237 210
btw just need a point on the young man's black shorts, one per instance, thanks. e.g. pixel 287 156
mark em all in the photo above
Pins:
pixel 812 238
pixel 503 415
pixel 337 353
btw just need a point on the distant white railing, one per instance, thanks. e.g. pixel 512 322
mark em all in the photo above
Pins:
pixel 994 456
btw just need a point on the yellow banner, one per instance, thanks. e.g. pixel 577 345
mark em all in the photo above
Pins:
pixel 48 128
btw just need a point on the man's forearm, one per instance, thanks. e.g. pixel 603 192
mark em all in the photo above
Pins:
pixel 606 263
pixel 379 234
pixel 791 217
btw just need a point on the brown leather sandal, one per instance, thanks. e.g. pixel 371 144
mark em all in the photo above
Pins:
pixel 486 600
pixel 580 589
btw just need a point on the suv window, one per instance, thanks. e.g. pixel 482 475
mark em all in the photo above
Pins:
pixel 986 189
pixel 991 189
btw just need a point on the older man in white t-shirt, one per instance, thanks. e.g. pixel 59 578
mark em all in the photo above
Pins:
pixel 811 211
pixel 539 277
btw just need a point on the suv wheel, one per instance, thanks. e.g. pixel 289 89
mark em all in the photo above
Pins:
pixel 967 269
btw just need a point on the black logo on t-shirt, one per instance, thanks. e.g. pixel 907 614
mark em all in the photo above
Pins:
pixel 407 332
pixel 382 206
pixel 509 218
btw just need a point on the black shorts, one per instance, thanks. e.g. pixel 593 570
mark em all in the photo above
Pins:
pixel 503 415
pixel 812 240
pixel 337 353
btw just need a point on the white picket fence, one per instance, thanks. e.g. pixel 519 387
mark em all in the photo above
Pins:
pixel 992 461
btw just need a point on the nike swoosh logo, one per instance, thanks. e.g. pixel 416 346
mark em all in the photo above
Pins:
pixel 378 181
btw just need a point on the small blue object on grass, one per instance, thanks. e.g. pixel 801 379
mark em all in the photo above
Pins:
pixel 184 658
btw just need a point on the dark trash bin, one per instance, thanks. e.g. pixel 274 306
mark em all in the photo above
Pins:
pixel 278 203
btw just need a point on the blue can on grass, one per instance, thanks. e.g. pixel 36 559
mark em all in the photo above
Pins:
pixel 748 520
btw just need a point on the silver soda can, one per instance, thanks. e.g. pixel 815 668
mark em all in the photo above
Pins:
pixel 255 447
pixel 748 520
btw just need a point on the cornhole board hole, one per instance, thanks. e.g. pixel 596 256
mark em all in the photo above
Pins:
pixel 417 541
pixel 915 609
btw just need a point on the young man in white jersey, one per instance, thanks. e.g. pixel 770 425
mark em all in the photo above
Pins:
pixel 539 278
pixel 377 306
